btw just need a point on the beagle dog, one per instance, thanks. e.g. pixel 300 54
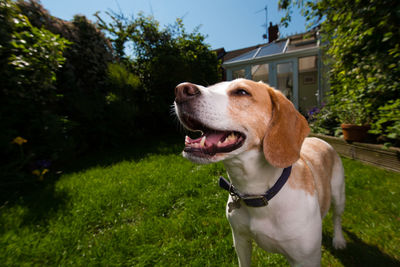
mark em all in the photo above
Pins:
pixel 260 137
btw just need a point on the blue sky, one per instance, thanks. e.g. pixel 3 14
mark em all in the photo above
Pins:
pixel 231 24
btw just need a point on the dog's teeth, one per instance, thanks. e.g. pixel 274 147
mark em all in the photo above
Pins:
pixel 219 143
pixel 203 141
pixel 187 141
pixel 230 138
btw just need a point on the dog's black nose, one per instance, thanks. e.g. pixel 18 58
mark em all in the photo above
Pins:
pixel 185 92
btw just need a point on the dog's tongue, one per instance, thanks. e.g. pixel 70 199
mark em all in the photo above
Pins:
pixel 212 138
pixel 215 137
pixel 213 142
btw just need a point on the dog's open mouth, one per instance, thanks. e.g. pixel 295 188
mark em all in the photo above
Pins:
pixel 212 141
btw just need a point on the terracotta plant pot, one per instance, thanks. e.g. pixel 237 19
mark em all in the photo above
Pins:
pixel 355 133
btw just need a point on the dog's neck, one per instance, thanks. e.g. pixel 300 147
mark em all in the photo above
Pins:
pixel 251 173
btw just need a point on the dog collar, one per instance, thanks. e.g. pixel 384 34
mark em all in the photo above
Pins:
pixel 257 200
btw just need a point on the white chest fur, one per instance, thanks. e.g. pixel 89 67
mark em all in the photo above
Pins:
pixel 290 224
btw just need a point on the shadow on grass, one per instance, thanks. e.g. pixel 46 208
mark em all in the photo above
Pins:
pixel 130 152
pixel 358 253
pixel 40 197
pixel 42 205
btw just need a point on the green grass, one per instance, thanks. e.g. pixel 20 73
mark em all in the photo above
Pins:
pixel 154 208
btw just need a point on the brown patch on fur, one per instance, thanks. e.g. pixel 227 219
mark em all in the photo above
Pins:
pixel 285 132
pixel 272 118
pixel 251 112
pixel 320 158
pixel 301 177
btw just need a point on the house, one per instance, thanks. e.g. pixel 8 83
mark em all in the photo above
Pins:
pixel 228 55
pixel 292 65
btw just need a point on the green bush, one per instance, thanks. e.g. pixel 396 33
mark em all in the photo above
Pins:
pixel 33 131
pixel 162 58
pixel 105 96
pixel 83 81
pixel 365 58
pixel 67 90
pixel 30 58
pixel 388 121
pixel 324 122
pixel 122 103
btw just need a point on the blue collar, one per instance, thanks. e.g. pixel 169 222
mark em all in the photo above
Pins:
pixel 257 200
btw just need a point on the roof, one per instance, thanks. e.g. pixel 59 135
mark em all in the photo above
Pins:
pixel 225 56
pixel 235 53
pixel 298 42
pixel 269 49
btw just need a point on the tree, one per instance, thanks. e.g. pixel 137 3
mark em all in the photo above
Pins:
pixel 161 58
pixel 83 81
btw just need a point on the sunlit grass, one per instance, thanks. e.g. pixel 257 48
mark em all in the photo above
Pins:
pixel 161 210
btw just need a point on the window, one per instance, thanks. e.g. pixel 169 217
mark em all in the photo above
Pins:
pixel 308 83
pixel 241 73
pixel 307 64
pixel 260 73
pixel 285 79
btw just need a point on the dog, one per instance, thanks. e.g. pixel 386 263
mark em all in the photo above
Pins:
pixel 262 141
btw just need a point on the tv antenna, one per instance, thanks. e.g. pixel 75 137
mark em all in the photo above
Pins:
pixel 265 35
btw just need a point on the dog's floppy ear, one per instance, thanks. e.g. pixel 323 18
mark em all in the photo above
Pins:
pixel 285 132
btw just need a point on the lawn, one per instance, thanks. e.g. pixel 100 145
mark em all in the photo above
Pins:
pixel 150 207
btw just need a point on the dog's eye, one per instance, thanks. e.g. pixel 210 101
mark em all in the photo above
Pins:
pixel 241 92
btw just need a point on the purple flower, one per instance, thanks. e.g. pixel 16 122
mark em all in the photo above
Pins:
pixel 314 110
pixel 43 164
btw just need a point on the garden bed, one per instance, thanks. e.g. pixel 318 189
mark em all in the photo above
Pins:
pixel 378 155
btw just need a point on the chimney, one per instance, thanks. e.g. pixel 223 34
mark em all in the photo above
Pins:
pixel 273 32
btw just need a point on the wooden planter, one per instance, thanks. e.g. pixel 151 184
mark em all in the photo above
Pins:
pixel 355 133
pixel 388 158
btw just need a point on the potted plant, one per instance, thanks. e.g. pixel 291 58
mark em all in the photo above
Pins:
pixel 355 119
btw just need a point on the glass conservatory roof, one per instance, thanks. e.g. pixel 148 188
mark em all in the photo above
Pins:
pixel 267 50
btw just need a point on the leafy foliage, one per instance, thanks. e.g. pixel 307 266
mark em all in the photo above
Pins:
pixel 122 103
pixel 85 84
pixel 324 122
pixel 161 58
pixel 389 120
pixel 362 45
pixel 67 89
pixel 30 58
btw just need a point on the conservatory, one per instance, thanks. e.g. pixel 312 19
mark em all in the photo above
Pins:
pixel 292 65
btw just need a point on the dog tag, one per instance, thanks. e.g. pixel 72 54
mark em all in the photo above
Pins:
pixel 235 204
